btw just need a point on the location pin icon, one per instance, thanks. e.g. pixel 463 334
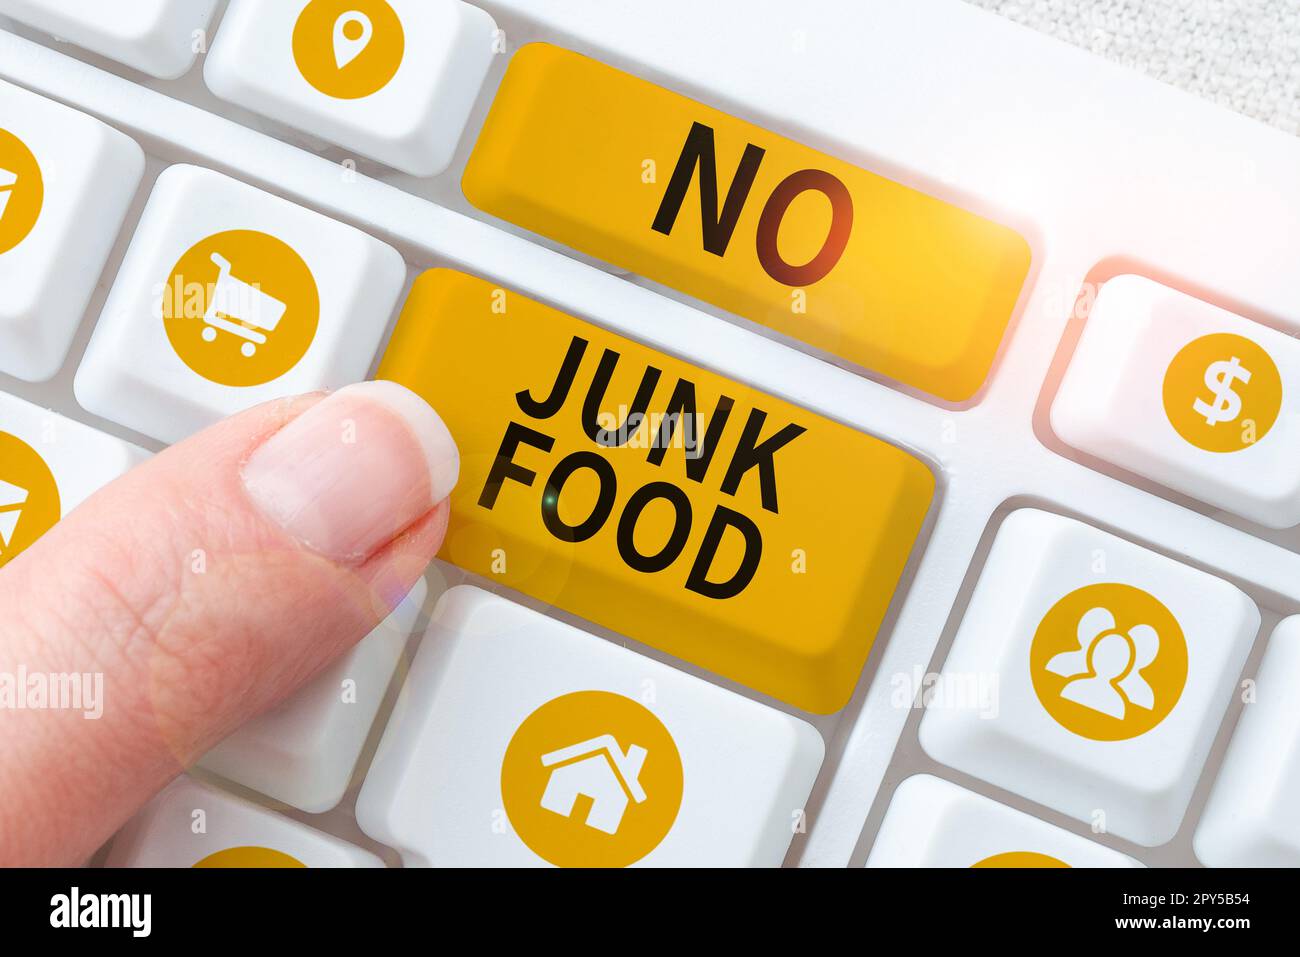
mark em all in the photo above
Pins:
pixel 352 34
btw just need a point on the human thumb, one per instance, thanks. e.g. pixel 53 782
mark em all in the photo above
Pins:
pixel 205 586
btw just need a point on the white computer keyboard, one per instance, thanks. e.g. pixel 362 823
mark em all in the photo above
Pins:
pixel 1075 542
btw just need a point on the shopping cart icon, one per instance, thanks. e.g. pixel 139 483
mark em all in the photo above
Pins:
pixel 240 309
pixel 8 181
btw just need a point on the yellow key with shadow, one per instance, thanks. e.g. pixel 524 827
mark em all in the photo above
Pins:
pixel 670 504
pixel 848 261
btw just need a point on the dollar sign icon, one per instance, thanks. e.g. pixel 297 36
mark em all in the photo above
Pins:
pixel 1219 377
pixel 1244 399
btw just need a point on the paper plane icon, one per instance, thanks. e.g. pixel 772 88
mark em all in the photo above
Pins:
pixel 12 500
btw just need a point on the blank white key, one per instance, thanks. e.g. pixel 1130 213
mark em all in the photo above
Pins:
pixel 48 466
pixel 394 80
pixel 1251 820
pixel 1105 670
pixel 66 182
pixel 1189 395
pixel 519 740
pixel 934 823
pixel 228 297
pixel 303 752
pixel 158 37
pixel 190 825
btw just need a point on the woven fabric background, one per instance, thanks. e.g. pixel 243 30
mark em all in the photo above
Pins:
pixel 1243 54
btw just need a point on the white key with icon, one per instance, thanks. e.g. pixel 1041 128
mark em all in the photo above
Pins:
pixel 193 825
pixel 1089 674
pixel 158 37
pixel 519 740
pixel 931 822
pixel 1189 395
pixel 1250 820
pixel 303 752
pixel 66 183
pixel 229 297
pixel 394 80
pixel 49 465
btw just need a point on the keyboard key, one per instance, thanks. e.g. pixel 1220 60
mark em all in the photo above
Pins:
pixel 934 823
pixel 304 751
pixel 721 517
pixel 48 466
pixel 66 182
pixel 1090 674
pixel 835 256
pixel 394 80
pixel 1189 395
pixel 158 37
pixel 228 297
pixel 520 741
pixel 192 825
pixel 1250 820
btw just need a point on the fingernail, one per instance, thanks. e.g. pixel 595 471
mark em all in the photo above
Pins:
pixel 355 470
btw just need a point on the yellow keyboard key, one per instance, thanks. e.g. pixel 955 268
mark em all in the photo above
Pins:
pixel 845 260
pixel 672 505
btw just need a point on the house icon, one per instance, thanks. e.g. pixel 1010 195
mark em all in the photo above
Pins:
pixel 599 770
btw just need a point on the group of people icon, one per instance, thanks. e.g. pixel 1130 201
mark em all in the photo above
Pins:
pixel 1105 671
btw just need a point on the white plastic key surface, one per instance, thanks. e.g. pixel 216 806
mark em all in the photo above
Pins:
pixel 1112 402
pixel 1251 820
pixel 189 822
pixel 437 53
pixel 76 177
pixel 304 751
pixel 133 374
pixel 487 665
pixel 158 37
pixel 79 459
pixel 1138 786
pixel 934 823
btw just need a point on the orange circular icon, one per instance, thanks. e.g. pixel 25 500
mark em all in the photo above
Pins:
pixel 29 497
pixel 1020 859
pixel 348 49
pixel 592 779
pixel 1108 662
pixel 22 191
pixel 250 856
pixel 241 308
pixel 1222 393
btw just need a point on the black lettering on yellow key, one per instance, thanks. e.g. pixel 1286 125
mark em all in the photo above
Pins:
pixel 675 506
pixel 846 260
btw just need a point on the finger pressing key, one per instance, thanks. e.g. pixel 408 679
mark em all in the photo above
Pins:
pixel 679 508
